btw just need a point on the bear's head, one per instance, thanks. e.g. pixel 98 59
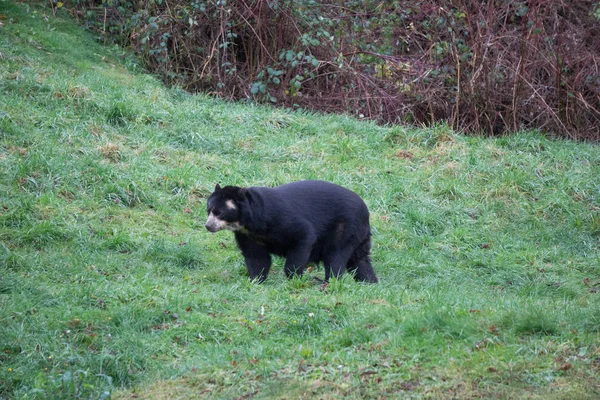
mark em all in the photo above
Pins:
pixel 223 208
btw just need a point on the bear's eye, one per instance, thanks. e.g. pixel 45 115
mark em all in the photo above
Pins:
pixel 216 213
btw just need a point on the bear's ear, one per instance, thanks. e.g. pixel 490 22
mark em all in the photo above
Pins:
pixel 217 187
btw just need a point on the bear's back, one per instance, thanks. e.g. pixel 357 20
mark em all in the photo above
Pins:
pixel 320 201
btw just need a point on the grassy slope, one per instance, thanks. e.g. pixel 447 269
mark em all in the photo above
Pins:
pixel 487 250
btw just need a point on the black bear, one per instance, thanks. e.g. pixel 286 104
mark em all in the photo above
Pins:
pixel 306 221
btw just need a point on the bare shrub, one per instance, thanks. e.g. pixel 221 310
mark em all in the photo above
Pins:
pixel 491 66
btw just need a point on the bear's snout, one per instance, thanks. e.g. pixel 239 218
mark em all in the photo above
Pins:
pixel 214 224
pixel 211 226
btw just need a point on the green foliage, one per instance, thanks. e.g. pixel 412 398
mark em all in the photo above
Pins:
pixel 71 384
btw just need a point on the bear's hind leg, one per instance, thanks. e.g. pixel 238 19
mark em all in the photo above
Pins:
pixel 336 261
pixel 360 263
pixel 363 271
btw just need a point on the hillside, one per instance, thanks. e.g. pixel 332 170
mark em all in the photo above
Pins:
pixel 487 250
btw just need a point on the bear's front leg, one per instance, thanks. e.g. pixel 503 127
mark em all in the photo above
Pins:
pixel 258 266
pixel 257 257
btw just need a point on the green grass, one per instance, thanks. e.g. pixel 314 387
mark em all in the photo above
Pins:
pixel 487 249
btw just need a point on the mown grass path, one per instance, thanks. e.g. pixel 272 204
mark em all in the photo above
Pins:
pixel 487 249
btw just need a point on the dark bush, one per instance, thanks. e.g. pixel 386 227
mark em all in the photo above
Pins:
pixel 491 66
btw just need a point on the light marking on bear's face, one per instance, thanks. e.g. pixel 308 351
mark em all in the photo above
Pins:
pixel 215 224
pixel 231 205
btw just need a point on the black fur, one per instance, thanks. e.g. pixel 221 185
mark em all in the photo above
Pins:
pixel 307 221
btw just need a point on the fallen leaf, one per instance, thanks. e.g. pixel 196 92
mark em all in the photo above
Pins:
pixel 74 322
pixel 407 155
pixel 565 367
pixel 301 367
pixel 586 281
pixel 482 344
